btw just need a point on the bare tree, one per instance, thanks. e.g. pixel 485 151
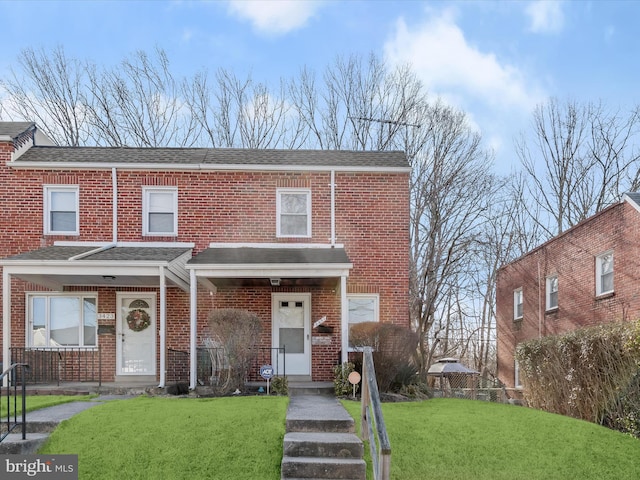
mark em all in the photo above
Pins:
pixel 451 188
pixel 582 161
pixel 50 91
pixel 137 104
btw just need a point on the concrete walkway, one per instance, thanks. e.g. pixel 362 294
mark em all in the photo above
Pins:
pixel 40 423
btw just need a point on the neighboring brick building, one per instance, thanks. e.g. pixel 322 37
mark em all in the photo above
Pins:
pixel 586 276
pixel 124 251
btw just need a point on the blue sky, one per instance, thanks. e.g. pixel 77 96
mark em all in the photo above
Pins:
pixel 493 59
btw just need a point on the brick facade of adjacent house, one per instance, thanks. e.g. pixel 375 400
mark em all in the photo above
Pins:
pixel 222 206
pixel 571 257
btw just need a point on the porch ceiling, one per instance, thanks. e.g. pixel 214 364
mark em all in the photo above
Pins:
pixel 117 266
pixel 260 266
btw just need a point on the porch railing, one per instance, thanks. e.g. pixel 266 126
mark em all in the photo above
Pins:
pixel 372 424
pixel 211 363
pixel 60 364
pixel 11 373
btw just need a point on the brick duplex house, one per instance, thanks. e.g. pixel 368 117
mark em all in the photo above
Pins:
pixel 586 276
pixel 125 251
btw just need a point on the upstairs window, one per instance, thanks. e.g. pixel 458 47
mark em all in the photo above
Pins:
pixel 293 211
pixel 518 304
pixel 604 273
pixel 61 210
pixel 552 292
pixel 160 211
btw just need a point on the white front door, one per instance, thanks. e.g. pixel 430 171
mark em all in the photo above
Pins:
pixel 292 332
pixel 136 343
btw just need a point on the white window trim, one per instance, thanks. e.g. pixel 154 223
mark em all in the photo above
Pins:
pixel 47 190
pixel 279 193
pixel 516 374
pixel 376 312
pixel 548 292
pixel 146 192
pixel 29 319
pixel 518 293
pixel 599 291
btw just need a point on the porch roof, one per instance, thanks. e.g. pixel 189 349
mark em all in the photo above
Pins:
pixel 102 265
pixel 291 265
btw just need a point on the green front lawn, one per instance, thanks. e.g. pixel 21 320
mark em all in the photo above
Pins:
pixel 449 439
pixel 241 438
pixel 36 402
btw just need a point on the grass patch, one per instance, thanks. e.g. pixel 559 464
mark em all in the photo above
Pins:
pixel 216 438
pixel 36 402
pixel 449 439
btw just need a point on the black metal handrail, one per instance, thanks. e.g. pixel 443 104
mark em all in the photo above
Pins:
pixel 372 413
pixel 60 364
pixel 7 376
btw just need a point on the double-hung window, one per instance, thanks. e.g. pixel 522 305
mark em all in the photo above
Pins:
pixel 61 210
pixel 160 211
pixel 293 211
pixel 518 304
pixel 552 292
pixel 604 273
pixel 362 308
pixel 61 320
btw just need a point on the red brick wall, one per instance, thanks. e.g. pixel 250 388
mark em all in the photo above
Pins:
pixel 372 221
pixel 571 257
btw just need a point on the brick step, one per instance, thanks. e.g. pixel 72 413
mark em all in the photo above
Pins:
pixel 322 444
pixel 323 468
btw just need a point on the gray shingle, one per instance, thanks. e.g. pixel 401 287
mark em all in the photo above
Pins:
pixel 13 129
pixel 249 256
pixel 214 156
pixel 154 254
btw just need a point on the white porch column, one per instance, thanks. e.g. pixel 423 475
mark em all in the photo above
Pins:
pixel 6 323
pixel 163 329
pixel 344 323
pixel 193 352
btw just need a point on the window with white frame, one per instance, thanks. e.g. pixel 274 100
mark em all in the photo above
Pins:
pixel 160 211
pixel 604 273
pixel 552 292
pixel 362 308
pixel 293 211
pixel 518 304
pixel 61 320
pixel 61 210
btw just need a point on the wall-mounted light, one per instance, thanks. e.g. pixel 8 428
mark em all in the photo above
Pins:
pixel 275 282
pixel 108 278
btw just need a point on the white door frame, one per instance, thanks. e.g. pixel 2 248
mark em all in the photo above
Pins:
pixel 302 365
pixel 151 297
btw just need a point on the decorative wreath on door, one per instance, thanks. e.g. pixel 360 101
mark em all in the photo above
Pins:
pixel 138 320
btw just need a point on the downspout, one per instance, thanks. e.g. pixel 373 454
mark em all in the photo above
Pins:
pixel 163 328
pixel 114 191
pixel 193 292
pixel 6 323
pixel 333 208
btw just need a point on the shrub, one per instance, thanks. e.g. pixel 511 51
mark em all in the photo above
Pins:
pixel 589 374
pixel 394 348
pixel 341 384
pixel 279 385
pixel 236 334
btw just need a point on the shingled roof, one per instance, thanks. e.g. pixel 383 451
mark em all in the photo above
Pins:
pixel 14 129
pixel 211 157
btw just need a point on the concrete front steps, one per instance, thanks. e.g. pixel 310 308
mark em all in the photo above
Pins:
pixel 320 442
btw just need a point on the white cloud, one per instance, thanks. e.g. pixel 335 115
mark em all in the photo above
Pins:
pixel 275 17
pixel 545 16
pixel 452 68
